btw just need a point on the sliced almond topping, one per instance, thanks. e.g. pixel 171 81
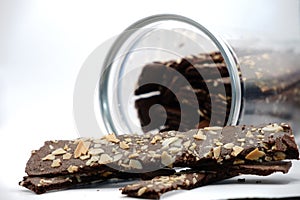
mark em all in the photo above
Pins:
pixel 169 141
pixel 59 151
pixel 49 157
pixel 249 134
pixel 213 128
pixel 124 145
pixel 51 147
pixel 199 135
pixel 81 149
pixel 217 152
pixel 66 147
pixel 112 138
pixel 236 150
pixel 135 164
pixel 56 163
pixel 134 155
pixel 67 156
pixel 187 144
pixel 255 154
pixel 193 146
pixel 167 159
pixel 95 151
pixel 45 182
pixel 84 157
pixel 141 191
pixel 228 146
pixel 72 169
pixel 272 128
pixel 155 139
pixel 194 180
pixel 117 157
pixel 104 159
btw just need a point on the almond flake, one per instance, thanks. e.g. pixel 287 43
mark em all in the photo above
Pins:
pixel 272 128
pixel 104 159
pixel 95 151
pixel 49 157
pixel 141 191
pixel 213 128
pixel 72 169
pixel 134 155
pixel 249 134
pixel 236 150
pixel 56 163
pixel 167 159
pixel 112 138
pixel 84 157
pixel 117 157
pixel 228 146
pixel 59 151
pixel 155 139
pixel 81 149
pixel 124 145
pixel 169 141
pixel 135 164
pixel 67 156
pixel 217 152
pixel 199 135
pixel 255 154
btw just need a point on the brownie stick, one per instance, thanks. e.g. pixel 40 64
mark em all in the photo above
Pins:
pixel 144 153
pixel 153 189
pixel 40 184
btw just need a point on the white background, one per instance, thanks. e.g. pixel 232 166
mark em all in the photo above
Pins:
pixel 44 43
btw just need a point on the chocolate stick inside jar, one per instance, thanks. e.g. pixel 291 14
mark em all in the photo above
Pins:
pixel 270 82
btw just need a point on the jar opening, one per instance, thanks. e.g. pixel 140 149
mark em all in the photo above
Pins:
pixel 165 72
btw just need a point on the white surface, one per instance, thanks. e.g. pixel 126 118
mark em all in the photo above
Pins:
pixel 42 47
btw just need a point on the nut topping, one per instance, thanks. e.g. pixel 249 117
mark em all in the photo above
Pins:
pixel 135 164
pixel 112 138
pixel 95 152
pixel 167 159
pixel 155 139
pixel 199 135
pixel 56 163
pixel 217 152
pixel 59 151
pixel 72 169
pixel 104 159
pixel 141 191
pixel 124 145
pixel 67 156
pixel 81 149
pixel 228 146
pixel 213 128
pixel 49 157
pixel 236 150
pixel 255 154
pixel 272 128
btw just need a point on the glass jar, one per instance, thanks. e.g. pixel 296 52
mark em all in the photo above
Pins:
pixel 168 72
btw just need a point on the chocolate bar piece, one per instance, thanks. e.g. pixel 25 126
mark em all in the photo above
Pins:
pixel 153 189
pixel 188 87
pixel 42 184
pixel 143 153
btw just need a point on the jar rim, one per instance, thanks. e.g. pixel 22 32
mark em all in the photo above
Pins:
pixel 224 48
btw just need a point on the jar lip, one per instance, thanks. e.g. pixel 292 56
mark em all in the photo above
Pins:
pixel 224 48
